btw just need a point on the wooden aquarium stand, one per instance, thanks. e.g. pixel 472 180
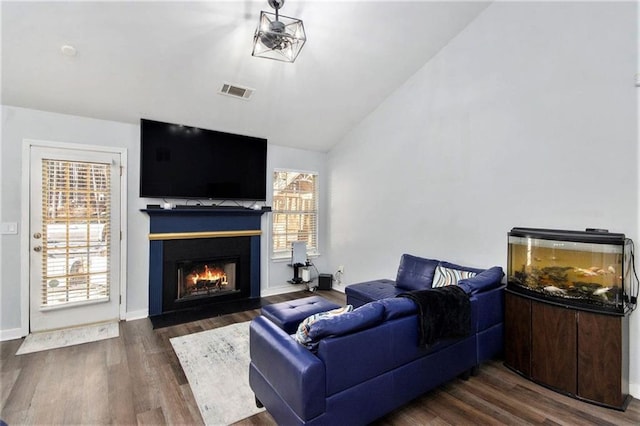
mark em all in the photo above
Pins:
pixel 578 353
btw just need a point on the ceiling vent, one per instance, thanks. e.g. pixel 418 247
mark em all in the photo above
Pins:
pixel 236 91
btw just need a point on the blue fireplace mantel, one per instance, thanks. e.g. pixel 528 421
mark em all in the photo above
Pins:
pixel 185 223
pixel 203 219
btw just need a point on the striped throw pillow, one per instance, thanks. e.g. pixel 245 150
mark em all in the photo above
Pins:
pixel 302 335
pixel 445 276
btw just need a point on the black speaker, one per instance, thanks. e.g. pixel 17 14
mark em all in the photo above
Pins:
pixel 324 281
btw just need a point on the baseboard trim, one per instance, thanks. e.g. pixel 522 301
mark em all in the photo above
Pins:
pixel 292 289
pixel 634 390
pixel 11 334
pixel 282 290
pixel 339 288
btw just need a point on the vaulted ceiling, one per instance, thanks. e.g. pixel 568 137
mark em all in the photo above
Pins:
pixel 167 61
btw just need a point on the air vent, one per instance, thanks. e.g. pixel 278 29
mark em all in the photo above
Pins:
pixel 236 91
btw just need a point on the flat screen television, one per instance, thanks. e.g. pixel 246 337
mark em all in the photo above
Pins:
pixel 178 161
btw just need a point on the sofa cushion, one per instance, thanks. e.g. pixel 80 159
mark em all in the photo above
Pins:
pixel 484 281
pixel 398 307
pixel 362 293
pixel 415 273
pixel 302 335
pixel 447 276
pixel 336 325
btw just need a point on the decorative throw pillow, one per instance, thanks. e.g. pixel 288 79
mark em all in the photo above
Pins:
pixel 302 335
pixel 445 276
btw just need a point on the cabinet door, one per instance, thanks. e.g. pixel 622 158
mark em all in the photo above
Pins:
pixel 553 346
pixel 599 360
pixel 517 334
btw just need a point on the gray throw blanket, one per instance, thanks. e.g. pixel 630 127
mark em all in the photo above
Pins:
pixel 445 312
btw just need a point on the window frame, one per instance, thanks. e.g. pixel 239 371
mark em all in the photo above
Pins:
pixel 285 254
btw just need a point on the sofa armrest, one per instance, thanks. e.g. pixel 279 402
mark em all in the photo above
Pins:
pixel 484 281
pixel 292 371
pixel 488 307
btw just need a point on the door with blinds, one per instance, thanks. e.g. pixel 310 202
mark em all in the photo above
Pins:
pixel 74 237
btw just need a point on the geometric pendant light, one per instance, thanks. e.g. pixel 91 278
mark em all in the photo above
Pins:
pixel 278 37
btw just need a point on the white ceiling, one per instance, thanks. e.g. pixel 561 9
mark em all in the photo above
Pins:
pixel 167 60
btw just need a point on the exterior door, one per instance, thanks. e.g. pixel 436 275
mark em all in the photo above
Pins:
pixel 74 237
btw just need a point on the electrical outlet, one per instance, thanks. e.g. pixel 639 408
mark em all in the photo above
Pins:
pixel 341 269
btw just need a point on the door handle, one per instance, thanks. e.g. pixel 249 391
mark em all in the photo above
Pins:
pixel 37 248
pixel 37 235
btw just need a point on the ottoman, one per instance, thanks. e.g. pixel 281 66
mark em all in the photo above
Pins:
pixel 288 315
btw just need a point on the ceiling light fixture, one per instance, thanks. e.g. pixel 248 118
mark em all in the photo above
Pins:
pixel 278 37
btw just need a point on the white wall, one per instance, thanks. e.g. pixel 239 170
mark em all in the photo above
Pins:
pixel 295 160
pixel 21 123
pixel 527 118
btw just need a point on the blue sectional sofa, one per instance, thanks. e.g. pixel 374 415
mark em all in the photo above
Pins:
pixel 366 363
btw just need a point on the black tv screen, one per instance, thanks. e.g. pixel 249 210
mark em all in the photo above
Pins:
pixel 178 161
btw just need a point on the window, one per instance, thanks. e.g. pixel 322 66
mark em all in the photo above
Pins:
pixel 76 200
pixel 295 211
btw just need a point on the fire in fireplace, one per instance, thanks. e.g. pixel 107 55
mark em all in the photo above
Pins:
pixel 198 272
pixel 206 278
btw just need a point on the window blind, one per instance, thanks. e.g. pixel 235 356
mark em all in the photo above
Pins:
pixel 294 211
pixel 76 221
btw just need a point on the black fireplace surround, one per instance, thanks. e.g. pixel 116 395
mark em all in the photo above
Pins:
pixel 179 236
pixel 175 252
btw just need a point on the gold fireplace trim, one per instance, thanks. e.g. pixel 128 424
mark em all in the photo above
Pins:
pixel 212 234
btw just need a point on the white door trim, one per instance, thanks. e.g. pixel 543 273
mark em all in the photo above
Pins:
pixel 24 216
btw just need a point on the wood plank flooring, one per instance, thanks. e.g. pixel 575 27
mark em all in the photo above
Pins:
pixel 137 379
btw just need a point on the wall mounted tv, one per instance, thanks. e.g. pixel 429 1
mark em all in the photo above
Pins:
pixel 187 162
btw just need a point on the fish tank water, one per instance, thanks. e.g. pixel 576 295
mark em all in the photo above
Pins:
pixel 585 269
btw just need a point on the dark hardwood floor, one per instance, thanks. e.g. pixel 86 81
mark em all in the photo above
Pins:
pixel 137 378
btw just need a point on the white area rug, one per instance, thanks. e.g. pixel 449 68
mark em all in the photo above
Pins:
pixel 216 363
pixel 46 340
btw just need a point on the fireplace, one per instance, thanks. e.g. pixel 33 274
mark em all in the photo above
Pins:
pixel 209 278
pixel 203 259
pixel 201 271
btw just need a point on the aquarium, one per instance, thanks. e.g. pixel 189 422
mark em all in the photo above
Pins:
pixel 583 269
